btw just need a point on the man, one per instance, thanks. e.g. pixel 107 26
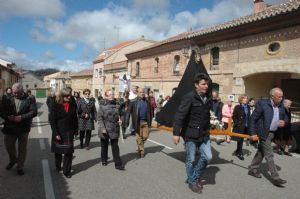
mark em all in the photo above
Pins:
pixel 17 112
pixel 267 118
pixel 192 122
pixel 139 110
pixel 132 96
pixel 216 108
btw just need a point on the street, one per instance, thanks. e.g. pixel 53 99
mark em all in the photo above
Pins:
pixel 161 174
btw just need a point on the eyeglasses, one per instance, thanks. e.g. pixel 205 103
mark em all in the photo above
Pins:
pixel 86 94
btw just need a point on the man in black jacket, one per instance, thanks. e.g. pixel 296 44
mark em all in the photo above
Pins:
pixel 192 122
pixel 139 109
pixel 17 112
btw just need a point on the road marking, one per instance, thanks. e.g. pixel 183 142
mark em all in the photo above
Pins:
pixel 42 144
pixel 39 125
pixel 47 180
pixel 160 144
pixel 295 155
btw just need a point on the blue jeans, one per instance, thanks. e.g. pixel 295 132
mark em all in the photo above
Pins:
pixel 195 170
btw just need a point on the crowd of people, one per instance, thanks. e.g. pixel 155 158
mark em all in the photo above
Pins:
pixel 71 115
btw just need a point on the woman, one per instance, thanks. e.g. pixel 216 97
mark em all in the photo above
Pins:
pixel 109 129
pixel 227 111
pixel 283 138
pixel 123 111
pixel 241 120
pixel 64 124
pixel 86 112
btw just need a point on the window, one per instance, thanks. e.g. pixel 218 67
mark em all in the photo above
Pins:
pixel 100 72
pixel 35 86
pixel 176 67
pixel 156 65
pixel 26 85
pixel 137 69
pixel 273 48
pixel 215 54
pixel 96 73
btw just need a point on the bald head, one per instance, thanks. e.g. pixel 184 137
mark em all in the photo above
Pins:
pixel 141 93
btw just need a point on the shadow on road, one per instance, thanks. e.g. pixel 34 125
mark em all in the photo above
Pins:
pixel 84 165
pixel 133 156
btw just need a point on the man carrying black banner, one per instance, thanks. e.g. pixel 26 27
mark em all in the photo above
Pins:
pixel 192 122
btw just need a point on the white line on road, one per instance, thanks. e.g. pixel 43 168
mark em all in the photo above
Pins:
pixel 298 156
pixel 47 180
pixel 42 144
pixel 38 124
pixel 160 144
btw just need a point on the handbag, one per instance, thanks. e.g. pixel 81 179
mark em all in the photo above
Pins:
pixel 63 147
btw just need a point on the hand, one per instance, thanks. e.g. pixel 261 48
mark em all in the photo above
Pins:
pixel 58 137
pixel 253 137
pixel 104 131
pixel 86 115
pixel 228 139
pixel 281 123
pixel 18 118
pixel 176 139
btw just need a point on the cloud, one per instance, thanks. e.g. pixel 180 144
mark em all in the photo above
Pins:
pixel 31 8
pixel 23 60
pixel 70 46
pixel 151 7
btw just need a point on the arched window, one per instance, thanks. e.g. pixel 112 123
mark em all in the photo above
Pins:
pixel 215 54
pixel 137 69
pixel 176 67
pixel 156 65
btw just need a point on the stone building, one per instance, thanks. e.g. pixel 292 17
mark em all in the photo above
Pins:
pixel 250 54
pixel 31 81
pixel 82 80
pixel 58 80
pixel 111 65
pixel 8 76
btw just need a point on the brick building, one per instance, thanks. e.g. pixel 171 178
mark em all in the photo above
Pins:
pixel 249 55
pixel 111 64
pixel 8 76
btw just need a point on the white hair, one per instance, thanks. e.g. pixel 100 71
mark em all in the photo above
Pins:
pixel 17 87
pixel 274 90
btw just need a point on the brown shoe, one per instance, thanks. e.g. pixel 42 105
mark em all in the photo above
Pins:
pixel 254 174
pixel 195 188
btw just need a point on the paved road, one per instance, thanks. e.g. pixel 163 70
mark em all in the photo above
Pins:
pixel 161 174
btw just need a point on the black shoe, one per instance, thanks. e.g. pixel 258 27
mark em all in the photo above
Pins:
pixel 10 165
pixel 124 137
pixel 287 153
pixel 68 175
pixel 220 141
pixel 20 172
pixel 240 156
pixel 254 174
pixel 121 167
pixel 278 182
pixel 104 163
pixel 58 169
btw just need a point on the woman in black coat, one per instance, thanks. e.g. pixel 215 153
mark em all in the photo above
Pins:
pixel 64 124
pixel 241 120
pixel 109 129
pixel 86 111
pixel 283 138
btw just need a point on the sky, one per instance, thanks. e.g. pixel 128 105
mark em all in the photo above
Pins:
pixel 69 34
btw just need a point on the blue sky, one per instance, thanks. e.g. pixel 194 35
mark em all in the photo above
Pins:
pixel 68 34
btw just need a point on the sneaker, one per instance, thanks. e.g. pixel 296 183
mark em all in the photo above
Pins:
pixel 254 174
